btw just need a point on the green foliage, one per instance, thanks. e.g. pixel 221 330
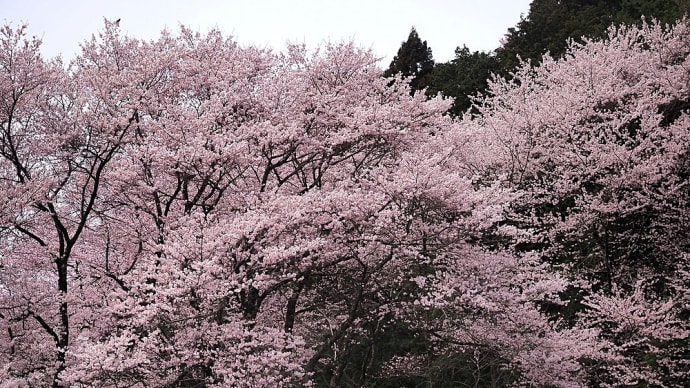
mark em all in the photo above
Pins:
pixel 666 11
pixel 462 77
pixel 414 59
pixel 551 23
pixel 547 28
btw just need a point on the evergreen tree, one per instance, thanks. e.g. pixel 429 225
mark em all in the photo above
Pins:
pixel 550 23
pixel 547 28
pixel 462 77
pixel 414 59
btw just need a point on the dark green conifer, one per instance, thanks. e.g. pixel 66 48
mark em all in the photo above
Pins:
pixel 414 59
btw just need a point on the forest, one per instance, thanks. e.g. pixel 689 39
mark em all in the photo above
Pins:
pixel 189 212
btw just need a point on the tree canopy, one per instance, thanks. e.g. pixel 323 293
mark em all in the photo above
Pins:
pixel 414 59
pixel 547 28
pixel 190 212
pixel 551 23
pixel 462 78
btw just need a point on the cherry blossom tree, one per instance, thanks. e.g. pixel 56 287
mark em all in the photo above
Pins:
pixel 595 146
pixel 52 170
pixel 188 212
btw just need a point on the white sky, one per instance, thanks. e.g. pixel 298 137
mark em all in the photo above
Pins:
pixel 378 24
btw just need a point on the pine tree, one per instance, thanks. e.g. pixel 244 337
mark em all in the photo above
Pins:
pixel 550 23
pixel 462 77
pixel 414 59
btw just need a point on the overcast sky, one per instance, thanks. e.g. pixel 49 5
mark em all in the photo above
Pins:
pixel 378 24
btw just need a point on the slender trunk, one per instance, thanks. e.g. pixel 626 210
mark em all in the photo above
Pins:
pixel 291 308
pixel 63 333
